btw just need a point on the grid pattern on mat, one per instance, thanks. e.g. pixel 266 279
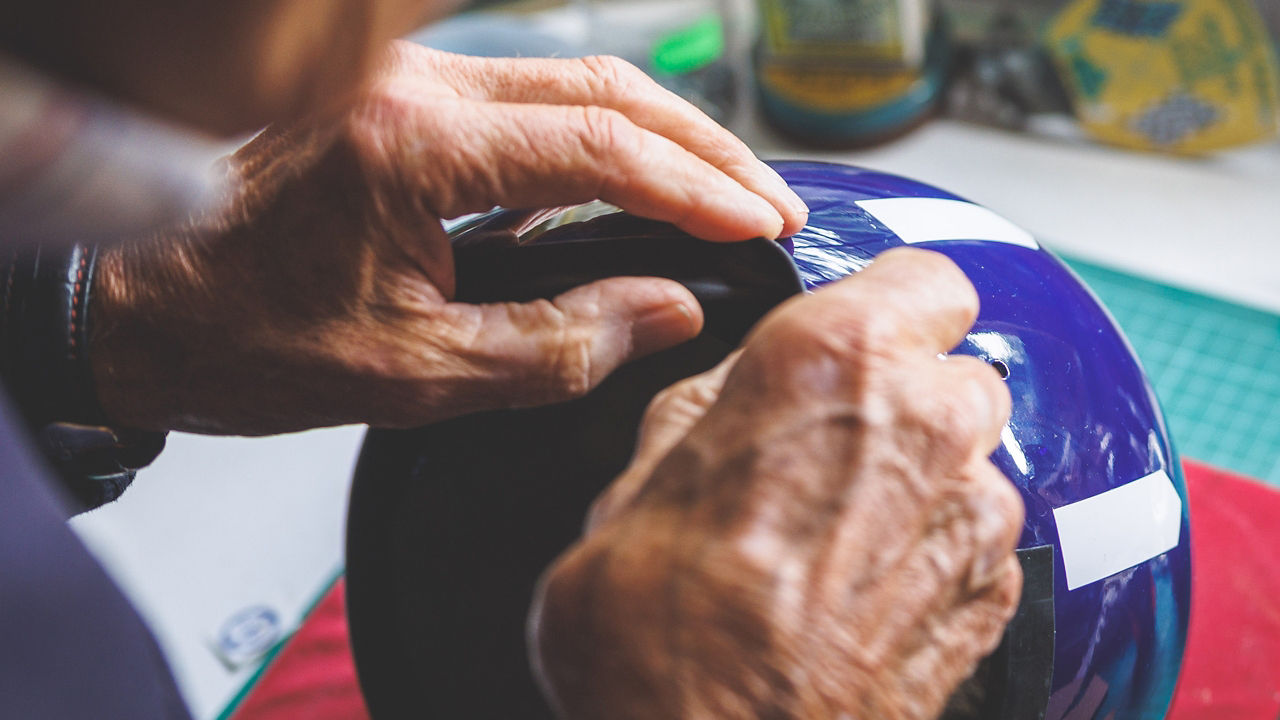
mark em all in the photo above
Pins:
pixel 1214 364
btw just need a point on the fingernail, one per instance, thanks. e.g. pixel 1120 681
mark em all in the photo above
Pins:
pixel 767 217
pixel 661 328
pixel 792 200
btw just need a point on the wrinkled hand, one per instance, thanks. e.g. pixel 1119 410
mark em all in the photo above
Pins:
pixel 810 530
pixel 321 294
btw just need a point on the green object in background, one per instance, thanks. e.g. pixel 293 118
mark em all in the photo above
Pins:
pixel 691 48
pixel 1215 366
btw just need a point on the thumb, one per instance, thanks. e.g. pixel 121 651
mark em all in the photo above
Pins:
pixel 669 417
pixel 541 352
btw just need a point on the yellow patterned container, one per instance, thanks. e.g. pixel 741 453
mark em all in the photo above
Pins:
pixel 1184 76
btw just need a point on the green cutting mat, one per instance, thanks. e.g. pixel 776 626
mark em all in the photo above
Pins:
pixel 1214 364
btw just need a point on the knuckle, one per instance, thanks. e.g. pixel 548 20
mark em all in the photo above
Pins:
pixel 933 269
pixel 403 55
pixel 808 330
pixel 993 508
pixel 683 398
pixel 985 389
pixel 570 372
pixel 382 102
pixel 607 133
pixel 1008 591
pixel 965 405
pixel 665 402
pixel 950 421
pixel 364 130
pixel 611 76
pixel 992 387
pixel 376 131
pixel 997 603
pixel 933 282
pixel 793 353
pixel 1005 501
pixel 867 333
pixel 756 552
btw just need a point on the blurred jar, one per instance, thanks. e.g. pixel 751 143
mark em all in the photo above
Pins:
pixel 686 45
pixel 849 72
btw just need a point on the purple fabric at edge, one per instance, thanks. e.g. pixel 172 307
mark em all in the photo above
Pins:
pixel 71 646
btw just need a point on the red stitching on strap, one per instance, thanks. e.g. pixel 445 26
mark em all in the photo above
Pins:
pixel 76 302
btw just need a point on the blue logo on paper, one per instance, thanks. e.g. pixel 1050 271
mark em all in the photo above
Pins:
pixel 248 634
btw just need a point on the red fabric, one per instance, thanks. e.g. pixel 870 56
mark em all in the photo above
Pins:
pixel 1231 670
pixel 313 677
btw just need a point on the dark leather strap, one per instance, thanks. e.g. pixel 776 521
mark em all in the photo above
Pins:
pixel 47 363
pixel 45 299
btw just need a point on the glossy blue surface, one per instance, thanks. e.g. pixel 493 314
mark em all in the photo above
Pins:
pixel 1084 421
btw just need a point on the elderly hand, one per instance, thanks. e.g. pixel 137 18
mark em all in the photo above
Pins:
pixel 321 294
pixel 811 530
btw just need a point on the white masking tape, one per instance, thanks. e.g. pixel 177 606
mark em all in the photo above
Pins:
pixel 1119 528
pixel 918 220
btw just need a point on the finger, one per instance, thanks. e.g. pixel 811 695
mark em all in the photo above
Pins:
pixel 908 301
pixel 957 641
pixel 675 410
pixel 846 341
pixel 951 410
pixel 919 299
pixel 667 420
pixel 999 513
pixel 526 354
pixel 923 570
pixel 522 155
pixel 613 83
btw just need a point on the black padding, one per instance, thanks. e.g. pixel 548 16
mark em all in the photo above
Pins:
pixel 450 525
pixel 1029 641
pixel 1013 682
pixel 736 283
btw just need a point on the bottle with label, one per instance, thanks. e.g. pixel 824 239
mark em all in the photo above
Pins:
pixel 849 72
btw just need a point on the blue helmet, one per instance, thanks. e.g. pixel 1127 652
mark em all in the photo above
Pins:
pixel 1086 444
pixel 1106 545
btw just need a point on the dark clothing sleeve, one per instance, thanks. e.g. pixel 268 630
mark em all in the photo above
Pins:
pixel 71 645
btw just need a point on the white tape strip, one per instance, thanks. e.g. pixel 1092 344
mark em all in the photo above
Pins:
pixel 917 220
pixel 1119 528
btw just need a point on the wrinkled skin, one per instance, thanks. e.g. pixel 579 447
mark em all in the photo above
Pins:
pixel 810 530
pixel 320 294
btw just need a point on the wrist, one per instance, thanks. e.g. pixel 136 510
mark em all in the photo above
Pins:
pixel 45 358
pixel 136 363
